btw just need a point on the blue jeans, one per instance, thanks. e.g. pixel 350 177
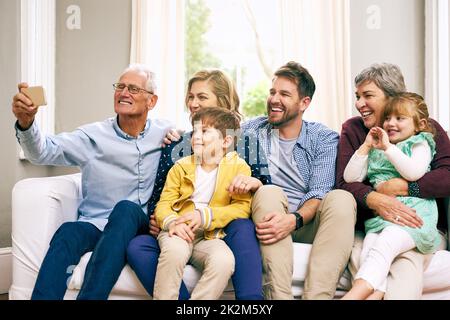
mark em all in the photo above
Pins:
pixel 73 239
pixel 143 252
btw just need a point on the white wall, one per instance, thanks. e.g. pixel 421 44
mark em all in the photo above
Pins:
pixel 399 39
pixel 11 168
pixel 88 61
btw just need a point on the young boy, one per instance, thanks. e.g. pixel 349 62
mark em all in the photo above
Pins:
pixel 195 205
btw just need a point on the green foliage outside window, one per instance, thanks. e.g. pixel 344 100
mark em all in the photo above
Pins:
pixel 255 102
pixel 197 25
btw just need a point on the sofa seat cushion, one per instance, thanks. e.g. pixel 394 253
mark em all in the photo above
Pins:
pixel 129 284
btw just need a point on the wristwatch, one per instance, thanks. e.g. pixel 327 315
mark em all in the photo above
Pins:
pixel 298 220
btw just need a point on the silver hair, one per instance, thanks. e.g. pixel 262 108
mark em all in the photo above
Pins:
pixel 150 84
pixel 387 76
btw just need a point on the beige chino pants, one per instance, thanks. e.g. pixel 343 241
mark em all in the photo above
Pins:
pixel 213 257
pixel 331 234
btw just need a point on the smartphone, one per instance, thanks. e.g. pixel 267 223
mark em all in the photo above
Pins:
pixel 36 95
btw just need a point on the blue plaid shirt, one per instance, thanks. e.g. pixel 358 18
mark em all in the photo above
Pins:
pixel 315 154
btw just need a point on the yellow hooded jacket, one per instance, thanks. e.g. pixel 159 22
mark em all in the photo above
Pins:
pixel 176 196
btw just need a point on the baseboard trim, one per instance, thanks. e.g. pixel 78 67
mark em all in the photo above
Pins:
pixel 5 269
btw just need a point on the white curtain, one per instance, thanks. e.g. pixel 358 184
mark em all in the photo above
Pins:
pixel 158 41
pixel 38 54
pixel 316 33
pixel 437 60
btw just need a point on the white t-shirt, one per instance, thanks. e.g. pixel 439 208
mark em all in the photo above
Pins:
pixel 205 184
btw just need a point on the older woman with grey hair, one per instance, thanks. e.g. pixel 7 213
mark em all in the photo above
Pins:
pixel 375 86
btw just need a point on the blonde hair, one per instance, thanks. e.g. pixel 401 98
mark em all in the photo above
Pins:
pixel 411 105
pixel 222 87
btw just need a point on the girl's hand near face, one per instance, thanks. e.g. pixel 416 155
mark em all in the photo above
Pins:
pixel 380 138
pixel 366 146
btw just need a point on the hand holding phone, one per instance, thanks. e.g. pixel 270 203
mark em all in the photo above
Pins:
pixel 36 95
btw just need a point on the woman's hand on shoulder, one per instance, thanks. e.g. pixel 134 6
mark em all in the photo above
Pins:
pixel 171 136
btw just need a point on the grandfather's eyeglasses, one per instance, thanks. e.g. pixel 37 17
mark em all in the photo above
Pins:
pixel 131 88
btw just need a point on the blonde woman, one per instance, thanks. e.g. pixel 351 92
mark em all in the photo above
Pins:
pixel 206 88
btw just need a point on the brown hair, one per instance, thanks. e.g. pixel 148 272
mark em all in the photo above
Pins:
pixel 295 72
pixel 222 86
pixel 218 118
pixel 411 105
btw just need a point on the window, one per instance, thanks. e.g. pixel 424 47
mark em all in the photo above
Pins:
pixel 249 39
pixel 245 46
pixel 437 60
pixel 38 54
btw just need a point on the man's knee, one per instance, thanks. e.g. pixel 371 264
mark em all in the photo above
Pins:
pixel 340 205
pixel 268 198
pixel 267 192
pixel 127 212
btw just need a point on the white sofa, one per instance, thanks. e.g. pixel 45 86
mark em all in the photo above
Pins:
pixel 41 205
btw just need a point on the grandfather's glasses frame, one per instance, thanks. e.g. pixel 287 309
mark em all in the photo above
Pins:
pixel 131 88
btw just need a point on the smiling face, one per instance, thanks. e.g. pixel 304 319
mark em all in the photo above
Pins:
pixel 399 127
pixel 284 104
pixel 207 143
pixel 133 105
pixel 200 96
pixel 370 103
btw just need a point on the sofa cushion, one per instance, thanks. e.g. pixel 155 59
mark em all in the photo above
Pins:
pixel 129 284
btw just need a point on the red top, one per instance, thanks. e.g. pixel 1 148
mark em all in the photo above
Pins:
pixel 434 184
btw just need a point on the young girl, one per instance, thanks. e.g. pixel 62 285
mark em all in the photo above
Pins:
pixel 403 149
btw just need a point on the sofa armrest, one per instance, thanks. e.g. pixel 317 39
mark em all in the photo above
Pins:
pixel 39 207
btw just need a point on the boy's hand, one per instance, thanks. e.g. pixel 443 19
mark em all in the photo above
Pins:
pixel 194 217
pixel 380 138
pixel 181 230
pixel 242 184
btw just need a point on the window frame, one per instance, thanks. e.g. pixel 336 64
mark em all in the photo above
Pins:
pixel 437 60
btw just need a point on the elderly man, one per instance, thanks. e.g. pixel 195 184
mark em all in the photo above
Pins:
pixel 118 159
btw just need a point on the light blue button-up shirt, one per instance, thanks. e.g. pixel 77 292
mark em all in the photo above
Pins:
pixel 114 165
